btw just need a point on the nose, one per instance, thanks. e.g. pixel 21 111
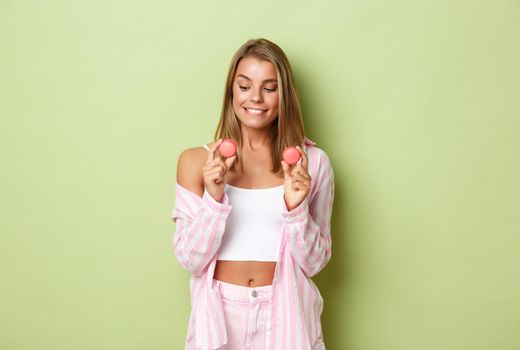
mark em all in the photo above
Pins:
pixel 256 95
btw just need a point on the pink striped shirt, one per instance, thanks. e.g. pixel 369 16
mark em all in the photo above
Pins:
pixel 294 321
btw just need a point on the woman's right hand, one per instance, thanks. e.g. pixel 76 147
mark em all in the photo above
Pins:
pixel 215 170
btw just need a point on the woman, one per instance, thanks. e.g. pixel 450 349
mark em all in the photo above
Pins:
pixel 251 228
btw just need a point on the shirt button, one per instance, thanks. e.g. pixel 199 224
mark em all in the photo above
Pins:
pixel 254 293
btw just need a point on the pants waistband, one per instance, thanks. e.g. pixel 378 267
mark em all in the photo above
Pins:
pixel 243 293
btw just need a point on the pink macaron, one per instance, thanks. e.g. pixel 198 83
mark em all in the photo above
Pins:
pixel 291 155
pixel 228 148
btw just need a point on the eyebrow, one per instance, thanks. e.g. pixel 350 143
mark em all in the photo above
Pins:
pixel 265 81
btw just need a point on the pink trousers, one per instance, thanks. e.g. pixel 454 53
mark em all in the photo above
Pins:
pixel 246 312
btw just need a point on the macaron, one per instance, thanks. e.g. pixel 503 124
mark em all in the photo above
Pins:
pixel 291 155
pixel 228 148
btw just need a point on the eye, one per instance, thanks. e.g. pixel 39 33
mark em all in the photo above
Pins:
pixel 243 88
pixel 270 89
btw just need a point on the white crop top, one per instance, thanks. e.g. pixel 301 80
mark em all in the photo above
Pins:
pixel 253 229
pixel 254 225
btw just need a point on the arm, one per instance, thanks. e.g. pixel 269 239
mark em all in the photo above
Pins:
pixel 200 224
pixel 200 219
pixel 308 225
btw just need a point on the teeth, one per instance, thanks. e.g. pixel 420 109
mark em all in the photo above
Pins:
pixel 254 110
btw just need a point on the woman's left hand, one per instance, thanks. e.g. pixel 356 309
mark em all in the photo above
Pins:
pixel 297 181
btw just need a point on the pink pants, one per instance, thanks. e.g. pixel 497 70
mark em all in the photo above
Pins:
pixel 246 311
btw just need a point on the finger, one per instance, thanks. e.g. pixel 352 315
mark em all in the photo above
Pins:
pixel 212 150
pixel 299 169
pixel 286 170
pixel 304 157
pixel 301 181
pixel 296 185
pixel 211 164
pixel 218 169
pixel 214 177
pixel 229 161
pixel 217 162
pixel 300 178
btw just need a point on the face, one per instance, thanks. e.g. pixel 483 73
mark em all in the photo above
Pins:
pixel 255 93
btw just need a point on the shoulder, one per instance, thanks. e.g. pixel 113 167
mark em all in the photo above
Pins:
pixel 189 169
pixel 318 158
pixel 193 155
pixel 317 153
pixel 320 168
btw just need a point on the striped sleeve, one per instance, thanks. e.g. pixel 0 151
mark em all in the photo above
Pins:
pixel 308 226
pixel 200 224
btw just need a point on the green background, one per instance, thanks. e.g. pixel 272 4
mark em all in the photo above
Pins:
pixel 416 103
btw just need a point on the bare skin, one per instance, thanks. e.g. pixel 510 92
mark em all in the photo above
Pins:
pixel 256 175
pixel 199 169
pixel 245 273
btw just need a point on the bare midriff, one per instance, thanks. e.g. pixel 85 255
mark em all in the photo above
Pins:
pixel 245 273
pixel 249 273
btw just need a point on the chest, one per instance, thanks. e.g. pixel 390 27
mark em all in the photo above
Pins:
pixel 255 173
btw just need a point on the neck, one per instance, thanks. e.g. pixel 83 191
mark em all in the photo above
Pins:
pixel 253 139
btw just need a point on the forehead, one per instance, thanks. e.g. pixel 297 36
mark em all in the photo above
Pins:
pixel 256 69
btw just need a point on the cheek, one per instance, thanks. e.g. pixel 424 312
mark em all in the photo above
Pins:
pixel 238 97
pixel 237 102
pixel 274 100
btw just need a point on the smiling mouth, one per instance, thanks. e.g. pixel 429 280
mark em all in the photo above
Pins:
pixel 255 111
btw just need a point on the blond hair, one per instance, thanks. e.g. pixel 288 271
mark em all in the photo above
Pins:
pixel 287 129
